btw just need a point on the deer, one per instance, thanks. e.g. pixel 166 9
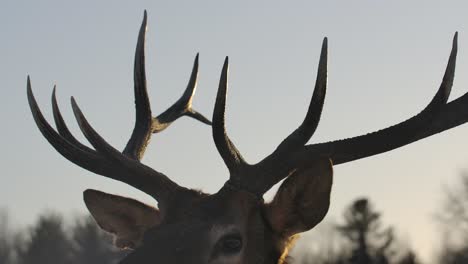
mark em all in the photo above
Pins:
pixel 235 224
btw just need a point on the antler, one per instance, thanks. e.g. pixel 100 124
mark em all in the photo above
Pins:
pixel 231 156
pixel 105 160
pixel 438 116
pixel 292 153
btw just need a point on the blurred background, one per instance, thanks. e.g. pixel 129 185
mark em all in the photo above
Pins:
pixel 386 61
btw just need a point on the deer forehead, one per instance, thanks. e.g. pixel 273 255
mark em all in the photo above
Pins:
pixel 225 208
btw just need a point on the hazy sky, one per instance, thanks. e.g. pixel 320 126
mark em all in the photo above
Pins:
pixel 386 60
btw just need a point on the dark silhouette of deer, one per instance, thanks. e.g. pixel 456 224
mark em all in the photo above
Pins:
pixel 234 225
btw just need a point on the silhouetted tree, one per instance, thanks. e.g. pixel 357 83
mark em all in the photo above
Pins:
pixel 92 245
pixel 453 255
pixel 324 258
pixel 361 239
pixel 323 245
pixel 362 227
pixel 6 239
pixel 409 258
pixel 453 217
pixel 47 243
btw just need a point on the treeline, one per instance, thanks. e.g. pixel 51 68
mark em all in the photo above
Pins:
pixel 49 241
pixel 360 237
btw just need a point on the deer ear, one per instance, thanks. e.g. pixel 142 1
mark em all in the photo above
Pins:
pixel 125 218
pixel 302 200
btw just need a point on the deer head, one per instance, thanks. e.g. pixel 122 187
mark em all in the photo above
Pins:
pixel 234 225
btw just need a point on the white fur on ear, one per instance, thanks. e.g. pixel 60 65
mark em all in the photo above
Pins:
pixel 126 218
pixel 302 200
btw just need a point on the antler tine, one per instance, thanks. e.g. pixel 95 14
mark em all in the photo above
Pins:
pixel 187 96
pixel 141 134
pixel 139 175
pixel 62 126
pixel 436 117
pixel 183 106
pixel 231 156
pixel 305 131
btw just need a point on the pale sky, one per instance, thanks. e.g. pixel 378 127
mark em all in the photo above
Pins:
pixel 386 60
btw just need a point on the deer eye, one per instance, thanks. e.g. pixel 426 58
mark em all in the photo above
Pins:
pixel 230 244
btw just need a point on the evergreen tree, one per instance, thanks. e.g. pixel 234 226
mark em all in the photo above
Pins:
pixel 323 245
pixel 6 239
pixel 361 239
pixel 47 243
pixel 363 229
pixel 453 218
pixel 92 245
pixel 409 258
